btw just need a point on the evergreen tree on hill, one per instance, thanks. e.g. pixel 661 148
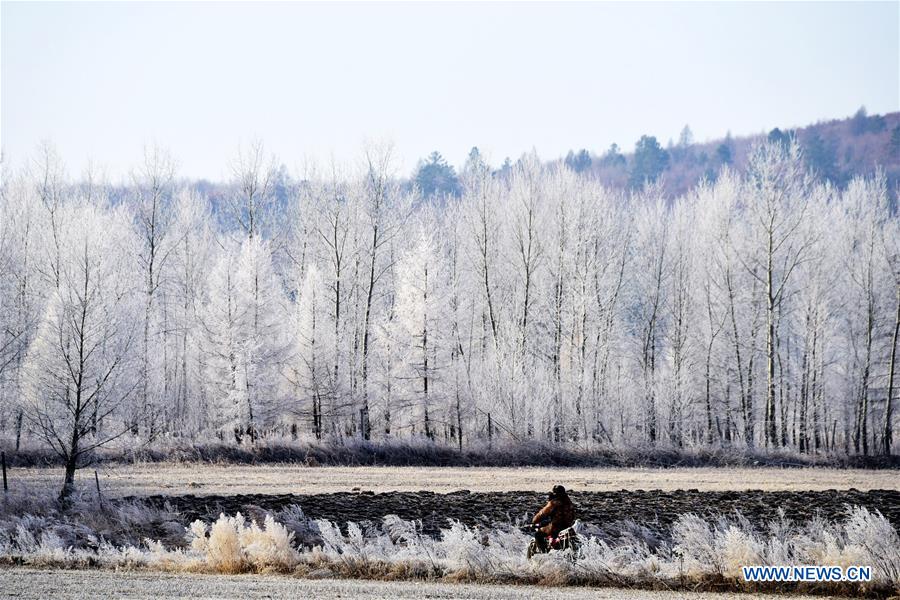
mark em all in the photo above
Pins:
pixel 435 177
pixel 650 160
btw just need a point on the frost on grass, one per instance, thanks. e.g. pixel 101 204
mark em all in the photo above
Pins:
pixel 694 551
pixel 234 546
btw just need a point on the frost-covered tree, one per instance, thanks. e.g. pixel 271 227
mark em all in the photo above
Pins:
pixel 21 288
pixel 185 288
pixel 245 343
pixel 153 184
pixel 419 306
pixel 868 295
pixel 777 200
pixel 79 371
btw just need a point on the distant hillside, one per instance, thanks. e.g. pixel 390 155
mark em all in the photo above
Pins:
pixel 836 150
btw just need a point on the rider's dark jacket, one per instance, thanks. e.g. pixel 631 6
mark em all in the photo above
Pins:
pixel 561 513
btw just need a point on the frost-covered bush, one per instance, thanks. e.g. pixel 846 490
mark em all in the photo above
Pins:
pixel 873 539
pixel 622 563
pixel 233 546
pixel 719 548
pixel 305 530
pixel 86 524
pixel 722 548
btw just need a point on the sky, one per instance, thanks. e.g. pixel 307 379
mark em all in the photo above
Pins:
pixel 316 82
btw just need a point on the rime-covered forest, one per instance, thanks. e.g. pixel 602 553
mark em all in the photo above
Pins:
pixel 760 310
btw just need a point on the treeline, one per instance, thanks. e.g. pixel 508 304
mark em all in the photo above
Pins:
pixel 835 151
pixel 757 311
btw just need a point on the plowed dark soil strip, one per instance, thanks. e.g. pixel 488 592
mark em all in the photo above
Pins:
pixel 656 509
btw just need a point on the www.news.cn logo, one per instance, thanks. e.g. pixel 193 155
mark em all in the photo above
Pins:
pixel 807 573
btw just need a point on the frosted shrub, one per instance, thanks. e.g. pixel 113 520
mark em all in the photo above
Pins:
pixel 594 557
pixel 506 546
pixel 25 541
pixel 720 548
pixel 695 543
pixel 463 549
pixel 196 533
pixel 779 547
pixel 396 550
pixel 50 543
pixel 355 546
pixel 305 530
pixel 738 548
pixel 494 555
pixel 85 523
pixel 820 543
pixel 862 539
pixel 619 563
pixel 332 539
pixel 874 540
pixel 223 549
pixel 630 532
pixel 409 543
pixel 155 548
pixel 232 546
pixel 271 546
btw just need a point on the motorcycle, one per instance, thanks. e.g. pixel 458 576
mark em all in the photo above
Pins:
pixel 566 539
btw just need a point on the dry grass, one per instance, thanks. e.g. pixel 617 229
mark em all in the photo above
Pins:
pixel 199 479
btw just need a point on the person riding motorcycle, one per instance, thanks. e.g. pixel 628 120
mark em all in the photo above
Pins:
pixel 559 511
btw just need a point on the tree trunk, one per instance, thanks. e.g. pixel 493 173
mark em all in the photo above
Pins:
pixel 18 429
pixel 68 481
pixel 887 436
pixel 861 431
pixel 709 417
pixel 770 430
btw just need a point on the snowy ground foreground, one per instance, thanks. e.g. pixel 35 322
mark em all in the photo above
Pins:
pixel 199 479
pixel 26 583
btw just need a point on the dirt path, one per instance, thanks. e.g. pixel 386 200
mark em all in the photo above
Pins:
pixel 69 585
pixel 203 479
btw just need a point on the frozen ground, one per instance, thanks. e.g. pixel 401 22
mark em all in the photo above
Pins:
pixel 203 479
pixel 65 585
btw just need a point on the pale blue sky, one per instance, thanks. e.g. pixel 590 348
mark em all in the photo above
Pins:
pixel 315 80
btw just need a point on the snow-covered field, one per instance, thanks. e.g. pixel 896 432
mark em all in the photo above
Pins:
pixel 69 585
pixel 199 479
